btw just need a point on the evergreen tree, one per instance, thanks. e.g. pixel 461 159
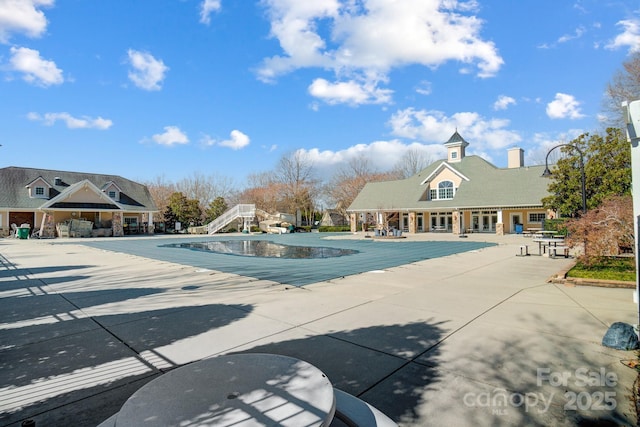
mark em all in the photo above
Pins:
pixel 216 208
pixel 607 164
pixel 186 211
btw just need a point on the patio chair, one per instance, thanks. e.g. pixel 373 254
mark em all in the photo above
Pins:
pixel 14 230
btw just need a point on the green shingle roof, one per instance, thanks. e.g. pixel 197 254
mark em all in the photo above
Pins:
pixel 487 187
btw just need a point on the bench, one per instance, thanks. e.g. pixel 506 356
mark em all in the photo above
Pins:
pixel 524 250
pixel 553 251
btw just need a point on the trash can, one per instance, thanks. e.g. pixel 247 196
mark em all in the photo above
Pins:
pixel 518 228
pixel 23 232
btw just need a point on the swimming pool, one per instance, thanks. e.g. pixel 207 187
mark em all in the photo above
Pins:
pixel 369 254
pixel 264 249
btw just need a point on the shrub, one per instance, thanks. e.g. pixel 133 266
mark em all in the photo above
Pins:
pixel 556 224
pixel 333 228
pixel 603 231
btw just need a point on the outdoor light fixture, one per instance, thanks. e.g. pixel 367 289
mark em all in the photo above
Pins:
pixel 547 172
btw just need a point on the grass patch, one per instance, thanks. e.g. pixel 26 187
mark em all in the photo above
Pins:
pixel 607 268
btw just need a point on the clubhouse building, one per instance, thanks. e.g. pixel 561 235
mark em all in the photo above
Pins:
pixel 48 201
pixel 462 194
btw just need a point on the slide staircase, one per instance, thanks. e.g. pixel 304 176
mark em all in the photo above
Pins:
pixel 246 212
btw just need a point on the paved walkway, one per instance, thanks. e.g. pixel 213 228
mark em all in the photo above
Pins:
pixel 473 338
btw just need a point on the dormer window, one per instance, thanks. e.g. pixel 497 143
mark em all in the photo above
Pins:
pixel 444 191
pixel 454 154
pixel 112 190
pixel 39 191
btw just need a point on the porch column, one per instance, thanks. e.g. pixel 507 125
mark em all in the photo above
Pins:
pixel 116 224
pixel 455 218
pixel 412 222
pixel 150 227
pixel 500 224
pixel 48 226
pixel 353 221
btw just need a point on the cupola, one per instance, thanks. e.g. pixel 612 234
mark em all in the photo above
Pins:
pixel 455 147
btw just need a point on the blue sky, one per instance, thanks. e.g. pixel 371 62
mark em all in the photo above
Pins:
pixel 148 88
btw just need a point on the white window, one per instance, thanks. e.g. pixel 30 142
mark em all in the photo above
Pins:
pixel 131 221
pixel 445 190
pixel 454 154
pixel 112 194
pixel 433 194
pixel 39 191
pixel 537 217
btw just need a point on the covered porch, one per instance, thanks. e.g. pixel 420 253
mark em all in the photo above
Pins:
pixel 91 223
pixel 497 220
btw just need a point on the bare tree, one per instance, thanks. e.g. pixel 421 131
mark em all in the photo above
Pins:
pixel 350 179
pixel 206 188
pixel 541 154
pixel 412 162
pixel 296 175
pixel 624 86
pixel 161 192
pixel 264 191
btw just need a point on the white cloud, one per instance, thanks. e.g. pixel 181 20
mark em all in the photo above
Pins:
pixel 22 16
pixel 436 127
pixel 579 32
pixel 503 102
pixel 629 37
pixel 427 131
pixel 207 7
pixel 148 72
pixel 369 38
pixel 207 141
pixel 237 140
pixel 564 106
pixel 84 122
pixel 424 88
pixel 172 136
pixel 36 70
pixel 383 155
pixel 349 92
pixel 543 142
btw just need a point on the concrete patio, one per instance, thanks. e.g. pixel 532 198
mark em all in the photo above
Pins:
pixel 476 338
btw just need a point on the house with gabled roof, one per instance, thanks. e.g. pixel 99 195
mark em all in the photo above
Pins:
pixel 45 198
pixel 461 194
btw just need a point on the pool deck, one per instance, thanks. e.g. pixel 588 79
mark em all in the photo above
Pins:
pixel 478 338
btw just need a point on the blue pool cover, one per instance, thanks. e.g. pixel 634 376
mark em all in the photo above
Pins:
pixel 371 255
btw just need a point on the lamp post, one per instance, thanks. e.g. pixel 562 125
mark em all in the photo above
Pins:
pixel 631 112
pixel 548 173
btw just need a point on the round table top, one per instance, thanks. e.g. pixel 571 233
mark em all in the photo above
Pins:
pixel 239 390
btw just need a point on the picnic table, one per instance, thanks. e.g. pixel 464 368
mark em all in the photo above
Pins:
pixel 546 243
pixel 531 231
pixel 250 389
